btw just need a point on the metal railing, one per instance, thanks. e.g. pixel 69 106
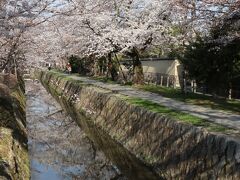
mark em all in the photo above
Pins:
pixel 155 78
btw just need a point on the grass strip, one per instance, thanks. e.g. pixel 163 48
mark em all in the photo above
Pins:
pixel 193 98
pixel 178 115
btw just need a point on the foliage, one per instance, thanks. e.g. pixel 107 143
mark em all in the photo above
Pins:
pixel 102 64
pixel 214 60
pixel 79 65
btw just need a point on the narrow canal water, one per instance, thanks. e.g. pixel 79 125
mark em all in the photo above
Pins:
pixel 58 148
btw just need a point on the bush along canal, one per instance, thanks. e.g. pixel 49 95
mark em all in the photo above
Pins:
pixel 58 148
pixel 142 143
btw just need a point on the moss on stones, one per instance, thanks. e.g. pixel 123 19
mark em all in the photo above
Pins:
pixel 14 161
pixel 174 149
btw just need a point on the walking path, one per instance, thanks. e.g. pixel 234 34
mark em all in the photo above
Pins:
pixel 217 116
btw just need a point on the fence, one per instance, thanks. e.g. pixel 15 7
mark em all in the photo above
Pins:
pixel 155 78
pixel 235 91
pixel 161 79
pixel 177 81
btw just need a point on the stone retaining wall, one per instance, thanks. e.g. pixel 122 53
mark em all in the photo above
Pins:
pixel 14 162
pixel 174 150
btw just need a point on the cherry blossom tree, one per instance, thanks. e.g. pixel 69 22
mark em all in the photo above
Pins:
pixel 127 27
pixel 16 17
pixel 52 30
pixel 200 15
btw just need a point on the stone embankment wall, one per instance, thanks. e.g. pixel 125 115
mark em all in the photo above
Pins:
pixel 174 150
pixel 14 162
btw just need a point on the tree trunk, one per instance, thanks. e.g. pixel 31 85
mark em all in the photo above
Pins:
pixel 95 68
pixel 112 68
pixel 230 91
pixel 120 68
pixel 138 76
pixel 183 82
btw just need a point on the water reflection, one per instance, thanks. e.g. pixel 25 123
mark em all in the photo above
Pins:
pixel 58 148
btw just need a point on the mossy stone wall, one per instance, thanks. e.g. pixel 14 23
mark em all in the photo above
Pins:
pixel 173 149
pixel 14 161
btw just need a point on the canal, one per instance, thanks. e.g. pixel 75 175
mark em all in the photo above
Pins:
pixel 58 148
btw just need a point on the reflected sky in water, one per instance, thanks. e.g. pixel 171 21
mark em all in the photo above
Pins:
pixel 58 148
